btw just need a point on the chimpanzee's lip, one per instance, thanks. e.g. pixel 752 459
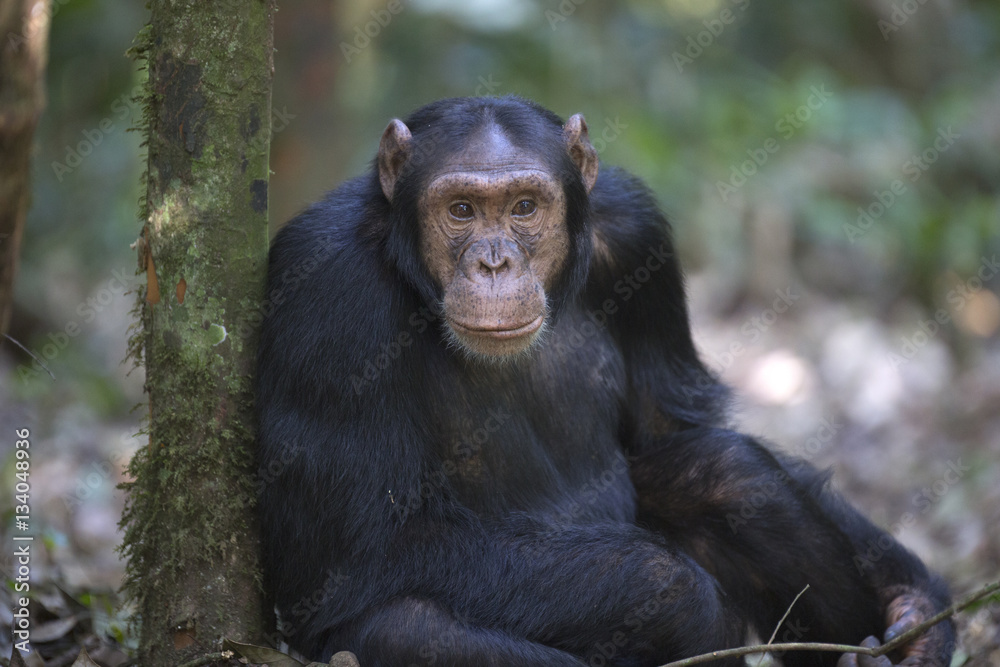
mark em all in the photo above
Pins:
pixel 502 334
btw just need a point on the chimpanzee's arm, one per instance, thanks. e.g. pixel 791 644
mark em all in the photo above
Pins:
pixel 766 530
pixel 800 531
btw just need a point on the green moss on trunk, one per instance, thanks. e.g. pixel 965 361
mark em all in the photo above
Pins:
pixel 191 537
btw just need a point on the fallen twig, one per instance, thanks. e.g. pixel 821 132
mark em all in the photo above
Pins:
pixel 843 648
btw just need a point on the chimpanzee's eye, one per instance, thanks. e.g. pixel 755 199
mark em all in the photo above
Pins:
pixel 524 207
pixel 461 210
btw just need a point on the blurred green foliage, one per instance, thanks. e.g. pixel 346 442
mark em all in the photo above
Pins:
pixel 688 94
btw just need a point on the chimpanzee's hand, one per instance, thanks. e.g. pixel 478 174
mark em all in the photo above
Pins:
pixel 931 649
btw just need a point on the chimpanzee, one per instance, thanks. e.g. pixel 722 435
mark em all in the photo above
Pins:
pixel 486 437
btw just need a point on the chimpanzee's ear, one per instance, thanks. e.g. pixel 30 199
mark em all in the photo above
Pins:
pixel 393 152
pixel 580 149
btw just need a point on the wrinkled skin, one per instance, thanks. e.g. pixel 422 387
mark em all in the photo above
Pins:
pixel 492 234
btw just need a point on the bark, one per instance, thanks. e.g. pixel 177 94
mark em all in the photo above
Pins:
pixel 24 31
pixel 191 537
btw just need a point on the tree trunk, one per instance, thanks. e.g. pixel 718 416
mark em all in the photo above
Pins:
pixel 191 536
pixel 24 31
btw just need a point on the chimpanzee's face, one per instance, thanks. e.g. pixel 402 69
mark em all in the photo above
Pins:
pixel 493 236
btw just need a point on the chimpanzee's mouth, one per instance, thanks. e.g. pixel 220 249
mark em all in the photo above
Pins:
pixel 499 333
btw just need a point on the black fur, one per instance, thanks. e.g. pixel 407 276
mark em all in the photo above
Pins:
pixel 581 505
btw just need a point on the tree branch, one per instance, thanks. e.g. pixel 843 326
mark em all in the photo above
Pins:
pixel 778 626
pixel 30 354
pixel 902 639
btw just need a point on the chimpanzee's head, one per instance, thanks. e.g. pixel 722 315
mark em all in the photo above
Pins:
pixel 490 215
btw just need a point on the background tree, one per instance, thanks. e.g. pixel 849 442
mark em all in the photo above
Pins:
pixel 190 538
pixel 24 25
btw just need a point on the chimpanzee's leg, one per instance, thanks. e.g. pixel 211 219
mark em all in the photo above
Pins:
pixel 411 631
pixel 600 595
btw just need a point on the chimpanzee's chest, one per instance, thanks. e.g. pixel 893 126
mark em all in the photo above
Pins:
pixel 541 436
